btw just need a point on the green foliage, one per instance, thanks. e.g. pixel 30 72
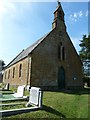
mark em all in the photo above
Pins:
pixel 85 47
pixel 2 64
pixel 85 53
pixel 86 79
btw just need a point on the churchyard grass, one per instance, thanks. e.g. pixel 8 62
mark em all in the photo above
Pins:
pixel 11 91
pixel 16 105
pixel 7 92
pixel 61 105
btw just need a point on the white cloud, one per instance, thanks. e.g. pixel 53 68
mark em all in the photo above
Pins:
pixel 75 20
pixel 80 14
pixel 11 11
pixel 2 8
pixel 14 10
pixel 6 8
pixel 77 15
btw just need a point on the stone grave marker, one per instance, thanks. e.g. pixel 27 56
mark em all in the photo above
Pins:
pixel 35 97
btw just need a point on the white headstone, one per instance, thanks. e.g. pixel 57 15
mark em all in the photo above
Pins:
pixel 20 92
pixel 35 97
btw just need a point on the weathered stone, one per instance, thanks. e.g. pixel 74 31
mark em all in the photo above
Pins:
pixel 44 66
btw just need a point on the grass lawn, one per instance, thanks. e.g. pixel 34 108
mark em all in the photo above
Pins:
pixel 18 104
pixel 61 105
pixel 6 92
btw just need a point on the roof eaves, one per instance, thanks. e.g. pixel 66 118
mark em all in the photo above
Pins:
pixel 14 58
pixel 27 51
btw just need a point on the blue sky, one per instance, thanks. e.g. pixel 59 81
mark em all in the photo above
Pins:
pixel 22 23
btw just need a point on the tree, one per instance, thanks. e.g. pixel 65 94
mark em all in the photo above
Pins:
pixel 2 64
pixel 85 53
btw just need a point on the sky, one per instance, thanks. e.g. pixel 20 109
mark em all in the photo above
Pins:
pixel 23 23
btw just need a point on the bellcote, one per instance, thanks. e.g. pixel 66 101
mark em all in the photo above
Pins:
pixel 58 16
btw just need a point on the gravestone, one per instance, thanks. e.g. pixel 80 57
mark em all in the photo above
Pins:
pixel 35 97
pixel 20 91
pixel 6 87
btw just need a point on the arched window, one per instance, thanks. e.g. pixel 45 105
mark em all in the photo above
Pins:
pixel 5 74
pixel 59 52
pixel 13 72
pixel 20 70
pixel 63 53
pixel 8 74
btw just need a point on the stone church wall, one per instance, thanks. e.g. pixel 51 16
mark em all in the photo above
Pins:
pixel 74 66
pixel 41 67
pixel 45 62
pixel 25 73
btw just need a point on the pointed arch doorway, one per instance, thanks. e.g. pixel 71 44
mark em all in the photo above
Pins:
pixel 61 78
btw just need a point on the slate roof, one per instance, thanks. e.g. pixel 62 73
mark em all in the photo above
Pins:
pixel 27 51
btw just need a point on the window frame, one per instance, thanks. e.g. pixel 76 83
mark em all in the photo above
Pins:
pixel 13 72
pixel 9 74
pixel 61 52
pixel 5 74
pixel 20 70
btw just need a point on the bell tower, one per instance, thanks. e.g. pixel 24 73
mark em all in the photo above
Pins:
pixel 58 17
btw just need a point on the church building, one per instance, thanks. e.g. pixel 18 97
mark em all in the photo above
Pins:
pixel 50 63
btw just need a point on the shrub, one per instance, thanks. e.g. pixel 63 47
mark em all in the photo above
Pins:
pixel 86 79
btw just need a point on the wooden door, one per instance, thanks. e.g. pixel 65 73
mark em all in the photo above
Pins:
pixel 61 78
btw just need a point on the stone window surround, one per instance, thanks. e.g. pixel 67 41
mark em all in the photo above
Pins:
pixel 61 52
pixel 13 72
pixel 20 70
pixel 5 74
pixel 9 74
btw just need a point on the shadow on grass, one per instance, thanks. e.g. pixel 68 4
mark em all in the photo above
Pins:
pixel 53 111
pixel 77 92
pixel 73 91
